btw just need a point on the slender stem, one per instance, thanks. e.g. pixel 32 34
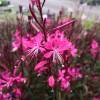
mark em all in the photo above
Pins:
pixel 44 31
pixel 43 21
pixel 59 96
pixel 34 26
pixel 34 16
pixel 21 34
pixel 41 15
pixel 63 25
pixel 43 3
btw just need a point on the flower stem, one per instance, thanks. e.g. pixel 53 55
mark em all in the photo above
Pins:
pixel 59 96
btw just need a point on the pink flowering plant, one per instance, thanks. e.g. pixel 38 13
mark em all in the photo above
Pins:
pixel 49 59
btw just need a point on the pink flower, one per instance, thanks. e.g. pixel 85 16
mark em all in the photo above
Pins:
pixel 61 75
pixel 5 96
pixel 56 48
pixel 8 80
pixel 65 84
pixel 74 72
pixel 34 45
pixel 51 81
pixel 94 44
pixel 56 45
pixel 27 42
pixel 40 67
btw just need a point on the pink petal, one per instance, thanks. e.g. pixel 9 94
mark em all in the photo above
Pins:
pixel 94 44
pixel 61 74
pixel 48 54
pixel 40 65
pixel 17 92
pixel 65 84
pixel 74 52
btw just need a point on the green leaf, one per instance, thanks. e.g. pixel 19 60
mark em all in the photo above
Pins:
pixel 25 72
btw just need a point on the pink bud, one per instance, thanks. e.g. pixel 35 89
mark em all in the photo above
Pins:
pixel 51 81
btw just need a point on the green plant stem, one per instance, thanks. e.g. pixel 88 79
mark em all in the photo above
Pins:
pixel 59 96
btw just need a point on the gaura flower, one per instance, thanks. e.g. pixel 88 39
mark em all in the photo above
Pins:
pixel 66 75
pixel 35 45
pixel 74 72
pixel 57 45
pixel 5 96
pixel 8 80
pixel 65 84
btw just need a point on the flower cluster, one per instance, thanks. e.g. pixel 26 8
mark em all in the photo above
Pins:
pixel 51 49
pixel 48 55
pixel 56 51
pixel 64 78
pixel 9 84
